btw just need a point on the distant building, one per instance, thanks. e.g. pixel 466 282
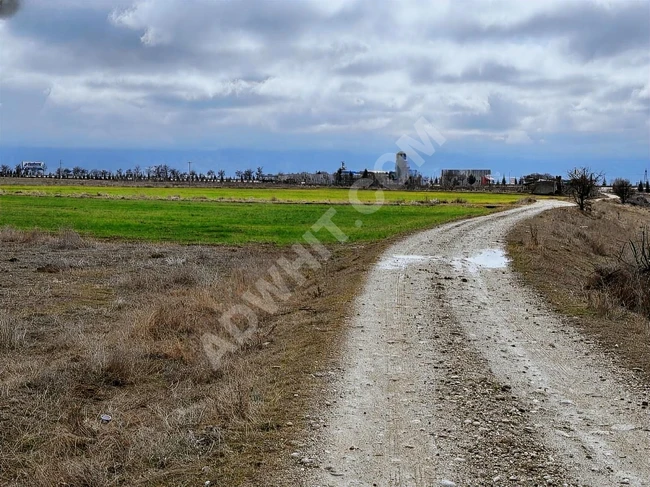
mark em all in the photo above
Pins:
pixel 460 177
pixel 401 167
pixel 382 177
pixel 32 167
pixel 319 178
pixel 544 187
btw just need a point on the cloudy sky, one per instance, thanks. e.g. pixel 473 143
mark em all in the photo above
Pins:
pixel 509 84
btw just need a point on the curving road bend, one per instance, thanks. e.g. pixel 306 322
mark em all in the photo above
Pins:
pixel 455 374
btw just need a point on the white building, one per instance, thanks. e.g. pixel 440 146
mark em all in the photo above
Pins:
pixel 32 167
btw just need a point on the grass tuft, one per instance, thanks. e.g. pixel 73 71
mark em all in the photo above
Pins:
pixel 68 239
pixel 12 333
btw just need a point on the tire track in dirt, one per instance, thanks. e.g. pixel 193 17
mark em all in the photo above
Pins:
pixel 454 374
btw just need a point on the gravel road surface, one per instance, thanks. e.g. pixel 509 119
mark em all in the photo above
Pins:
pixel 454 373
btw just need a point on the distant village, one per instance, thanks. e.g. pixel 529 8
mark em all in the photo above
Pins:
pixel 402 177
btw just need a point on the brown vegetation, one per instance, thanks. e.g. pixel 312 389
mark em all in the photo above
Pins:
pixel 585 265
pixel 115 329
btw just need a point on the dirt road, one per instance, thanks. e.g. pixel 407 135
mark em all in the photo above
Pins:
pixel 455 374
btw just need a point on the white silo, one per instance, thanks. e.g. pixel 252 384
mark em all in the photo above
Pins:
pixel 401 167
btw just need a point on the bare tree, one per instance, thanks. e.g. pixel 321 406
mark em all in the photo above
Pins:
pixel 623 189
pixel 222 175
pixel 582 185
pixel 259 173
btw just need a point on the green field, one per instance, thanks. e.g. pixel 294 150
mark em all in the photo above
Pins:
pixel 216 222
pixel 307 195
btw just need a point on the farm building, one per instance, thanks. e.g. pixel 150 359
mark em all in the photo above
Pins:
pixel 461 177
pixel 544 186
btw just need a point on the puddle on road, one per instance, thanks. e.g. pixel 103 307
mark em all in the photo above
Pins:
pixel 401 261
pixel 485 259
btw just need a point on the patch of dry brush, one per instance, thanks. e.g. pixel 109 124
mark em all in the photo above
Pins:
pixel 591 266
pixel 117 330
pixel 626 282
pixel 141 362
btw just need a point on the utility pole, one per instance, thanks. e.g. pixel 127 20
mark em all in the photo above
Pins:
pixel 189 171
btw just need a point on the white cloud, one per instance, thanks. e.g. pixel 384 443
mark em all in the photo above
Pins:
pixel 518 137
pixel 503 70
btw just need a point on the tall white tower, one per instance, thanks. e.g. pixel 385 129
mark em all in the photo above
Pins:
pixel 401 167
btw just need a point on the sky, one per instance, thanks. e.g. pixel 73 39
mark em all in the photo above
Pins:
pixel 295 85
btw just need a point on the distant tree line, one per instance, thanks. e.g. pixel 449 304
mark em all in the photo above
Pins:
pixel 161 172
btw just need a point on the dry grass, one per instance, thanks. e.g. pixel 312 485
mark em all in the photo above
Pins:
pixel 116 330
pixel 66 239
pixel 626 281
pixel 578 266
pixel 12 333
pixel 9 234
pixel 534 235
pixel 525 201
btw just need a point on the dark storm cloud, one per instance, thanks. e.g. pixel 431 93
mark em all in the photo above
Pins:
pixel 590 30
pixel 8 8
pixel 199 36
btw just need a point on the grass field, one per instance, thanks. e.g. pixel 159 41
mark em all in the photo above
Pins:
pixel 118 330
pixel 194 222
pixel 312 195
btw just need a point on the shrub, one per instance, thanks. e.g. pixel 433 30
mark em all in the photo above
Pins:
pixel 623 189
pixel 628 281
